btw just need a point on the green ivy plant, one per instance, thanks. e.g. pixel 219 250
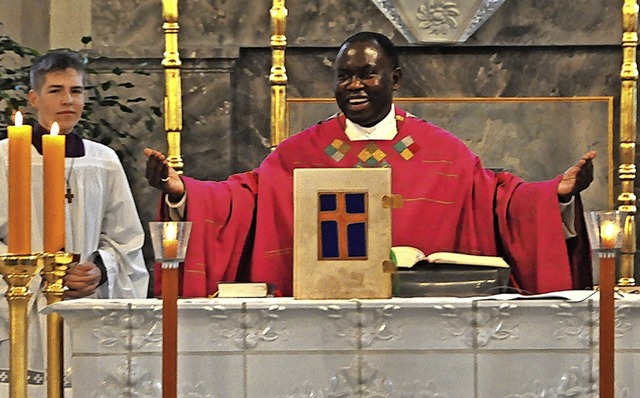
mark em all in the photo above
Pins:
pixel 102 101
pixel 14 80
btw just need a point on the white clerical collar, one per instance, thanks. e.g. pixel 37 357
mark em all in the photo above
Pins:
pixel 385 130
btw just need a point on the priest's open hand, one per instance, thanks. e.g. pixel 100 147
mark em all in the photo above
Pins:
pixel 82 280
pixel 577 177
pixel 160 175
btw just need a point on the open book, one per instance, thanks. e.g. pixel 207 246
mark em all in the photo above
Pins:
pixel 407 257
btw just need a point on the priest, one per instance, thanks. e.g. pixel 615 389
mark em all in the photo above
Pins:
pixel 243 227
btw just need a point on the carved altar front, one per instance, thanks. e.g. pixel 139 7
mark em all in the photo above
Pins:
pixel 421 347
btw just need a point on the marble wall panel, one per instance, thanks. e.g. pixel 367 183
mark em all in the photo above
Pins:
pixel 545 22
pixel 128 28
pixel 134 27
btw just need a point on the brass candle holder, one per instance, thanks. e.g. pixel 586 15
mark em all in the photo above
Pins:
pixel 18 271
pixel 55 268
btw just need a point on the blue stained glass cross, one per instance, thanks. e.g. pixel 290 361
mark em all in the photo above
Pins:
pixel 342 225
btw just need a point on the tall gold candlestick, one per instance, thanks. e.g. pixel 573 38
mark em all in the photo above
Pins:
pixel 173 87
pixel 54 270
pixel 18 271
pixel 278 75
pixel 173 127
pixel 628 131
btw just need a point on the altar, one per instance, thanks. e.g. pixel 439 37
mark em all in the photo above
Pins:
pixel 400 347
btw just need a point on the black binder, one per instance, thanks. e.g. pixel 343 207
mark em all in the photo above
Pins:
pixel 434 279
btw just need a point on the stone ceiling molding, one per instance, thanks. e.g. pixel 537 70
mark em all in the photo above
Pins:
pixel 437 21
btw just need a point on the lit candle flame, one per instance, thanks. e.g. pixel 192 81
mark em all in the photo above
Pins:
pixel 18 119
pixel 55 129
pixel 171 231
pixel 608 234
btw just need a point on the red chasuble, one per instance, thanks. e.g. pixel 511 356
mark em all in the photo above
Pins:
pixel 243 227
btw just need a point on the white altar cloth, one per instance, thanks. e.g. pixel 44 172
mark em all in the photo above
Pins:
pixel 420 347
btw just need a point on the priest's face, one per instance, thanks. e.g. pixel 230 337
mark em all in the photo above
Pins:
pixel 60 99
pixel 365 82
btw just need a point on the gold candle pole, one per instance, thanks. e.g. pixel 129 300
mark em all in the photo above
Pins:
pixel 278 75
pixel 628 115
pixel 54 270
pixel 18 272
pixel 173 89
